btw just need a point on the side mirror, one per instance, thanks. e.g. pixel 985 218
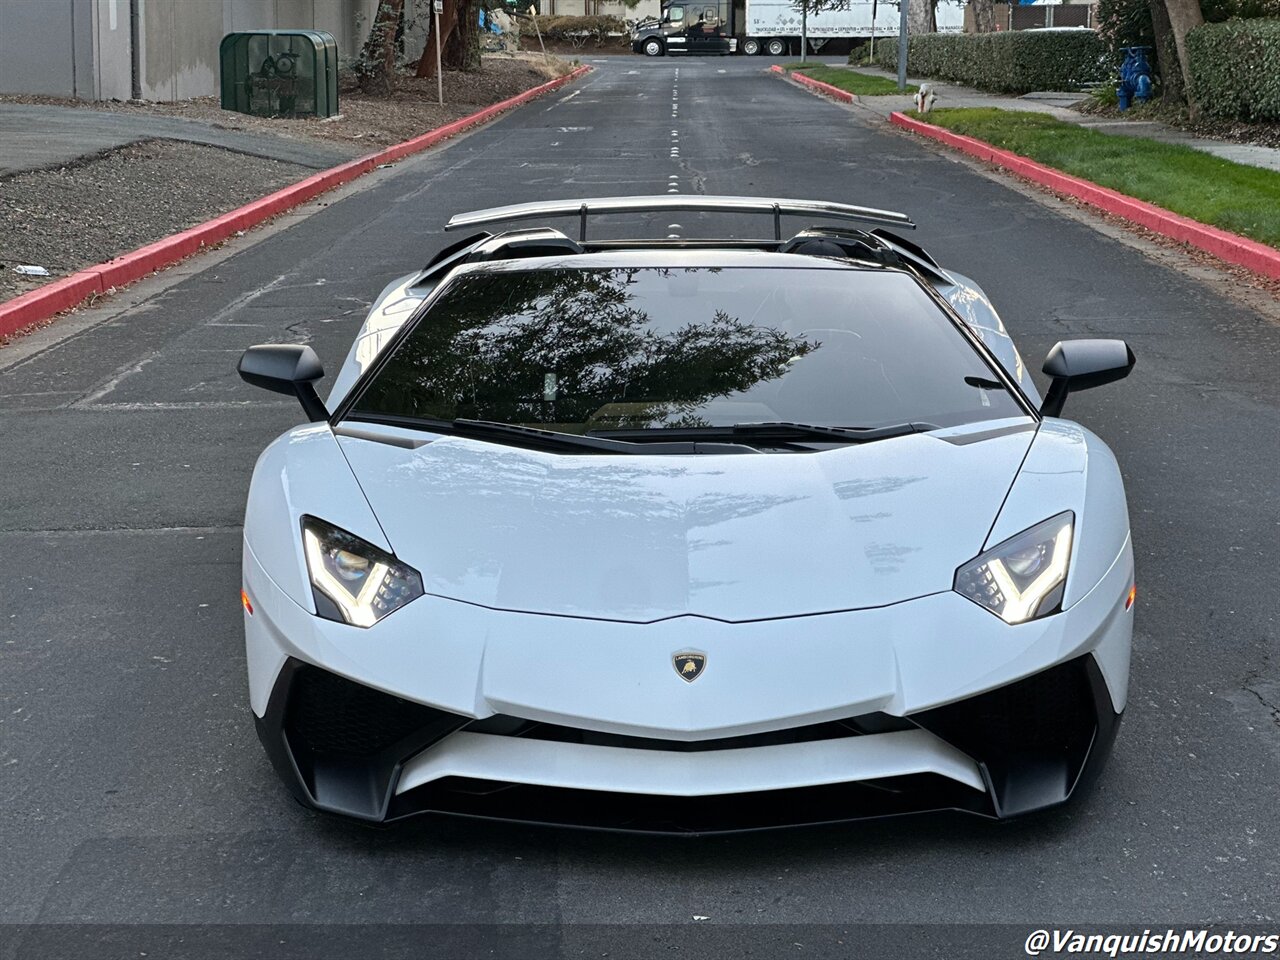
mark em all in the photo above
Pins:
pixel 288 368
pixel 1081 364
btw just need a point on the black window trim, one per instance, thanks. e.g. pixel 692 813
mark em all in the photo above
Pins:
pixel 353 396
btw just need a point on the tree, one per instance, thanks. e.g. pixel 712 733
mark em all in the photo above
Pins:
pixel 984 15
pixel 1173 88
pixel 1184 16
pixel 376 67
pixel 462 51
pixel 920 18
pixel 459 39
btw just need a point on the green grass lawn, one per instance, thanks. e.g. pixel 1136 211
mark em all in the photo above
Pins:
pixel 1232 196
pixel 860 84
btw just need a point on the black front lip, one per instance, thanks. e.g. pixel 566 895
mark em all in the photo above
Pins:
pixel 320 745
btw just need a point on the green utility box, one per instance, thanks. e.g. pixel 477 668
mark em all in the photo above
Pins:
pixel 280 73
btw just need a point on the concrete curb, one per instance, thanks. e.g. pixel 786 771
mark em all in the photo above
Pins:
pixel 53 298
pixel 1230 247
pixel 817 86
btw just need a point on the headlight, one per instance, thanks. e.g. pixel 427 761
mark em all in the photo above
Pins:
pixel 1024 577
pixel 353 581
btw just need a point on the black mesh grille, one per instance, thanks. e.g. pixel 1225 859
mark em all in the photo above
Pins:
pixel 1031 738
pixel 331 714
pixel 1050 712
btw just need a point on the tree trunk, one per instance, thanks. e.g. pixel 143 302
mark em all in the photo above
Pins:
pixel 462 50
pixel 377 67
pixel 1172 85
pixel 448 20
pixel 1185 16
pixel 919 17
pixel 984 15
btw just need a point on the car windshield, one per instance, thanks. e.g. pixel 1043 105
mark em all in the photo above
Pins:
pixel 596 350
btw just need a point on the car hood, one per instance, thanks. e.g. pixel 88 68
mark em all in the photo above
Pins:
pixel 730 537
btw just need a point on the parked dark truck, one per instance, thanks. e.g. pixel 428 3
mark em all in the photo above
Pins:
pixel 770 26
pixel 696 28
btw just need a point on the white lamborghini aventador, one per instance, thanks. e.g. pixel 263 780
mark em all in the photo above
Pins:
pixel 686 535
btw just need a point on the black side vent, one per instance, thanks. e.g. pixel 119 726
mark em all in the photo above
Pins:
pixel 342 743
pixel 1032 738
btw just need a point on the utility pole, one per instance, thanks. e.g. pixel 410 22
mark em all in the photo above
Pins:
pixel 902 46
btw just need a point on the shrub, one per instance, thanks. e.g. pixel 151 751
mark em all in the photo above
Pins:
pixel 581 30
pixel 1125 23
pixel 1235 69
pixel 1006 62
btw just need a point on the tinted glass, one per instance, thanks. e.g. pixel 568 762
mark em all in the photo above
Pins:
pixel 590 349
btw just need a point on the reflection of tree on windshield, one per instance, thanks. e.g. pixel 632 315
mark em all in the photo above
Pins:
pixel 569 347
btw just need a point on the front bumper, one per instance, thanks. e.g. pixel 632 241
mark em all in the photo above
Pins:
pixel 347 749
pixel 453 708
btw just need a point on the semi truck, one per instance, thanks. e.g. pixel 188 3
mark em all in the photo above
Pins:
pixel 753 27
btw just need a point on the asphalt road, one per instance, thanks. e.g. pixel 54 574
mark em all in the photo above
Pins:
pixel 132 786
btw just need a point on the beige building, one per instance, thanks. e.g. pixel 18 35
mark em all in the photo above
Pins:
pixel 148 49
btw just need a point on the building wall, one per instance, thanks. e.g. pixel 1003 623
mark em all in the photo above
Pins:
pixel 82 48
pixel 46 46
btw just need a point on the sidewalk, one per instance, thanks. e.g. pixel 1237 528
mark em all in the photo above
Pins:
pixel 40 136
pixel 1057 104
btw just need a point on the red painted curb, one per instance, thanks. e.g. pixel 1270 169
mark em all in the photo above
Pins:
pixel 1230 247
pixel 824 88
pixel 777 69
pixel 43 302
pixel 58 295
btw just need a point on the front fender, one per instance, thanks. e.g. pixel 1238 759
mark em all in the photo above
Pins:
pixel 303 471
pixel 1070 468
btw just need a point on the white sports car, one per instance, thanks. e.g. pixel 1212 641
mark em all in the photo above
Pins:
pixel 686 536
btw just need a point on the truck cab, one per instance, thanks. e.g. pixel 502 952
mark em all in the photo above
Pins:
pixel 687 26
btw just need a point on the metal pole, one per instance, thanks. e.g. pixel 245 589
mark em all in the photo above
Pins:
pixel 135 50
pixel 902 46
pixel 439 73
pixel 873 32
pixel 542 46
pixel 804 29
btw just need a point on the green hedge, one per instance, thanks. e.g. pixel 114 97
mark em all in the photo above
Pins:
pixel 1006 62
pixel 1235 69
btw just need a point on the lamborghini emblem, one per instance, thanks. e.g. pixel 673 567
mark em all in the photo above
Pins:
pixel 689 665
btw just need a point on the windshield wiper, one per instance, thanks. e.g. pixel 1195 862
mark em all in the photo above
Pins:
pixel 781 431
pixel 533 438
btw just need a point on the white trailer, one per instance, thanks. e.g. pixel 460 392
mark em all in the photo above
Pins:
pixel 773 26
